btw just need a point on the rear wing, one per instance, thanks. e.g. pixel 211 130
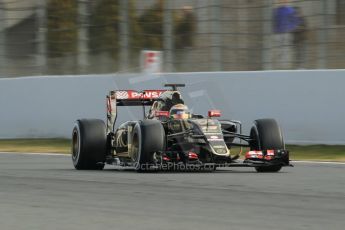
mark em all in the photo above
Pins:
pixel 128 98
pixel 132 98
pixel 135 98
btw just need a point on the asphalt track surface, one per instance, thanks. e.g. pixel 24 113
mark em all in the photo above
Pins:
pixel 45 192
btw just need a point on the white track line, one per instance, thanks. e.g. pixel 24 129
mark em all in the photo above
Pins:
pixel 42 154
pixel 320 162
pixel 64 154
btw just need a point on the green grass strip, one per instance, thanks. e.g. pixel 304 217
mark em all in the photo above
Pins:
pixel 297 152
pixel 35 145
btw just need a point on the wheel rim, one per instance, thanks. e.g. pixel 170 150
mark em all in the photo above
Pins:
pixel 135 148
pixel 75 145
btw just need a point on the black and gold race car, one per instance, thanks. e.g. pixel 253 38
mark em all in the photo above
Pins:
pixel 170 137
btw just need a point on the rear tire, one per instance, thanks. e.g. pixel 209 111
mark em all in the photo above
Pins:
pixel 148 138
pixel 89 144
pixel 266 135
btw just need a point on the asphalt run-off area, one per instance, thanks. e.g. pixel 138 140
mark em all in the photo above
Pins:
pixel 46 192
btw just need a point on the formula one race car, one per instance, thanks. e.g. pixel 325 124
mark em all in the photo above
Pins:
pixel 170 137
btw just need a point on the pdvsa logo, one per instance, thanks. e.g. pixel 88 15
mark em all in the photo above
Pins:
pixel 146 94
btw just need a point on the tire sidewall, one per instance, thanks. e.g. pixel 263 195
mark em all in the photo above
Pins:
pixel 138 160
pixel 254 134
pixel 76 158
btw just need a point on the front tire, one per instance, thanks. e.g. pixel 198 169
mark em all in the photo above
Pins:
pixel 89 144
pixel 266 135
pixel 148 138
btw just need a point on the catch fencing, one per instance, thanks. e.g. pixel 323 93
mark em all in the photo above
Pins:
pixel 39 37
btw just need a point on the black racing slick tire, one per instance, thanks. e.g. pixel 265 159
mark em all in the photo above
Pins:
pixel 148 138
pixel 266 135
pixel 89 144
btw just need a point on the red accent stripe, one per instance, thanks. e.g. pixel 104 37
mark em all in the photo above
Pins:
pixel 193 156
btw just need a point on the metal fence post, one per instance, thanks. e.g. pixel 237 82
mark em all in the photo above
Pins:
pixel 216 41
pixel 322 36
pixel 267 35
pixel 168 36
pixel 124 34
pixel 2 40
pixel 41 18
pixel 83 50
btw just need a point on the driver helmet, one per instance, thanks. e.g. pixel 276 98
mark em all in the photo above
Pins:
pixel 180 111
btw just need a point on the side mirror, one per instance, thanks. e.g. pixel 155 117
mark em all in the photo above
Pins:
pixel 162 114
pixel 214 113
